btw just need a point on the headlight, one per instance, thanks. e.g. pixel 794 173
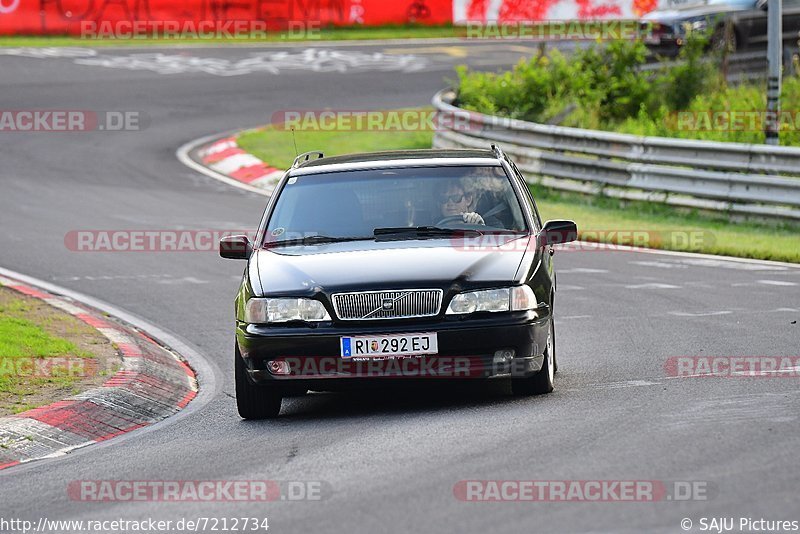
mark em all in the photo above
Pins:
pixel 281 310
pixel 516 298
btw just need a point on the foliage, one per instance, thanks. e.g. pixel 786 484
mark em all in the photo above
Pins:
pixel 605 87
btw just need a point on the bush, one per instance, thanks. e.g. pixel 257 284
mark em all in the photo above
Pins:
pixel 603 87
pixel 522 93
pixel 608 82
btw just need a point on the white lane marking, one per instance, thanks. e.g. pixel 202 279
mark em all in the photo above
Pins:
pixel 695 258
pixel 624 384
pixel 727 264
pixel 271 62
pixel 567 287
pixel 776 283
pixel 765 372
pixel 660 264
pixel 582 270
pixel 752 407
pixel 310 59
pixel 48 52
pixel 184 280
pixel 784 310
pixel 699 314
pixel 108 277
pixel 652 285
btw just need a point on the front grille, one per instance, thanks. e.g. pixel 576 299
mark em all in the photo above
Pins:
pixel 391 304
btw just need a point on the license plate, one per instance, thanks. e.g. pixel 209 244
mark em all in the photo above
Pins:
pixel 389 345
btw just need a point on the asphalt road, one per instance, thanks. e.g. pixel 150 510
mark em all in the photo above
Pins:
pixel 388 460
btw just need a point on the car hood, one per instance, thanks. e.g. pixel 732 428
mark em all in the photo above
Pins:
pixel 364 265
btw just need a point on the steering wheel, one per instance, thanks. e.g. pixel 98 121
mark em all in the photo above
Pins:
pixel 451 218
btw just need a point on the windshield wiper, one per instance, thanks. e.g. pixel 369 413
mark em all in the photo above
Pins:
pixel 423 231
pixel 315 240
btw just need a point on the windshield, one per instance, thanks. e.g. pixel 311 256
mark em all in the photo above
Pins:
pixel 353 204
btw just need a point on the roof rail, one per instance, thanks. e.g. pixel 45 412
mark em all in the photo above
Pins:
pixel 498 152
pixel 306 156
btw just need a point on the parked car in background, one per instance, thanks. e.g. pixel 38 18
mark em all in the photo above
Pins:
pixel 670 27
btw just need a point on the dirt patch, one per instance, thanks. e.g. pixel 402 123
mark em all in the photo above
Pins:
pixel 30 381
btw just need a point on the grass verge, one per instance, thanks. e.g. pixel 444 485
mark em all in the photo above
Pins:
pixel 598 218
pixel 332 33
pixel 46 354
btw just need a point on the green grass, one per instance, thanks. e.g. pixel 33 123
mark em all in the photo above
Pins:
pixel 22 337
pixel 668 228
pixel 277 148
pixel 343 33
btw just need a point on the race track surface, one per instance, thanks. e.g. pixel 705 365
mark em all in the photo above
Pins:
pixel 389 460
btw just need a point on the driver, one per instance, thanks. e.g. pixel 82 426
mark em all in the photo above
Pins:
pixel 454 200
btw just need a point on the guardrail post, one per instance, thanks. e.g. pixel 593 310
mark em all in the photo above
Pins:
pixel 774 56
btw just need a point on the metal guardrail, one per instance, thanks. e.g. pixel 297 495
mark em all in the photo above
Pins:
pixel 735 178
pixel 741 66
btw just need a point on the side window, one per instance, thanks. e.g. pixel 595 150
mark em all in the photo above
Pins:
pixel 524 185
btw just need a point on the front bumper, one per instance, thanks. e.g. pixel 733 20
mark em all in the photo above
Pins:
pixel 469 348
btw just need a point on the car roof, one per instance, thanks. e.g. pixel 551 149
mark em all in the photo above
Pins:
pixel 399 157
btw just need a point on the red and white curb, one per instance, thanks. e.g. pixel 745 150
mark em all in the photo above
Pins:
pixel 226 157
pixel 152 384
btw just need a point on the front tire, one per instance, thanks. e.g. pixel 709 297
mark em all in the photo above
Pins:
pixel 253 401
pixel 542 382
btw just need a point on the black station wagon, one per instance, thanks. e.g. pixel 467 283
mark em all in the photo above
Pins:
pixel 395 267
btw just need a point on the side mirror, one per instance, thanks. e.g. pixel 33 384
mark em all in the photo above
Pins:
pixel 558 231
pixel 235 247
